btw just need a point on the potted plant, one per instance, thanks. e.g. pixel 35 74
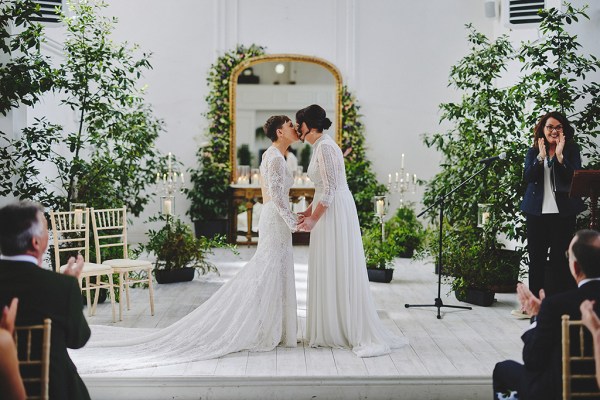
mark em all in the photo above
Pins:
pixel 380 254
pixel 406 231
pixel 475 263
pixel 179 253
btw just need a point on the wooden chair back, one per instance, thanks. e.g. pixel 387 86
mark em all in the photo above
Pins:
pixel 33 349
pixel 109 227
pixel 70 234
pixel 578 365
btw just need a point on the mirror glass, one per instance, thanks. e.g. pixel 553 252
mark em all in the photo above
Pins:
pixel 273 85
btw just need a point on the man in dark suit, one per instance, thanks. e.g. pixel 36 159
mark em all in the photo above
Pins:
pixel 540 377
pixel 42 293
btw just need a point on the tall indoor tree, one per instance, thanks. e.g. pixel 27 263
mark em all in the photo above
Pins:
pixel 109 157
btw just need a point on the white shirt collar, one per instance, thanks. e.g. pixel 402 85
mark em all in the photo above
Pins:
pixel 584 281
pixel 20 257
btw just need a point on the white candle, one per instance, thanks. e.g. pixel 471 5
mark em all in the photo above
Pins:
pixel 380 207
pixel 164 178
pixel 485 217
pixel 157 177
pixel 181 176
pixel 402 161
pixel 166 209
pixel 407 177
pixel 78 218
pixel 415 179
pixel 389 178
pixel 397 177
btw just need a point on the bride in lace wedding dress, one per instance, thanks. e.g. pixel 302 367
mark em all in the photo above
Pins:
pixel 341 312
pixel 255 310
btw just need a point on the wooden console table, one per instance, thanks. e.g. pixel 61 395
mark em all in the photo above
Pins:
pixel 250 195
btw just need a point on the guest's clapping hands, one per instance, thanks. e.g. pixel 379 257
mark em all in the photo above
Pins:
pixel 589 316
pixel 74 266
pixel 560 146
pixel 9 313
pixel 529 302
pixel 542 147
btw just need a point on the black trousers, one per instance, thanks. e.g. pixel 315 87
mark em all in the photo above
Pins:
pixel 509 376
pixel 548 238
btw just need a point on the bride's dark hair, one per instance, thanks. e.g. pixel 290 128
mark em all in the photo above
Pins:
pixel 314 116
pixel 273 123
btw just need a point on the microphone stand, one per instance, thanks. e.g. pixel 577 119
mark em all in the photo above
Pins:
pixel 440 201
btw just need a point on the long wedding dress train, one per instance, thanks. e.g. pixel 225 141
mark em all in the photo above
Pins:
pixel 256 310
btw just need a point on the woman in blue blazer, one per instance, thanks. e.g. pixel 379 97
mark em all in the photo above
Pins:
pixel 550 212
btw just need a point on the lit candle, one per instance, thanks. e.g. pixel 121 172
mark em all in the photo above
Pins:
pixel 164 178
pixel 389 178
pixel 397 177
pixel 415 179
pixel 407 178
pixel 380 207
pixel 181 176
pixel 157 177
pixel 485 217
pixel 167 207
pixel 78 218
pixel 402 161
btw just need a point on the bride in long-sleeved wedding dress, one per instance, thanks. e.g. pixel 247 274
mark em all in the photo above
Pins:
pixel 255 310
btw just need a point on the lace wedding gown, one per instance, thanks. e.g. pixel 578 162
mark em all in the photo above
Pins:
pixel 341 312
pixel 255 310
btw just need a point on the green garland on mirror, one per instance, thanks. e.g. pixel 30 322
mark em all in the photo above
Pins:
pixel 210 180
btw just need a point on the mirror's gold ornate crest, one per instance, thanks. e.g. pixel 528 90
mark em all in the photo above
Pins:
pixel 278 84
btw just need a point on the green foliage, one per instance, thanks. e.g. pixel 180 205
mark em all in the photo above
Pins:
pixel 26 75
pixel 361 180
pixel 208 194
pixel 305 154
pixel 403 235
pixel 244 156
pixel 489 120
pixel 405 231
pixel 176 246
pixel 473 258
pixel 110 157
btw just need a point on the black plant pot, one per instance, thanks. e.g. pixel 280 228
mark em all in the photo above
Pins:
pixel 174 275
pixel 380 275
pixel 483 298
pixel 210 228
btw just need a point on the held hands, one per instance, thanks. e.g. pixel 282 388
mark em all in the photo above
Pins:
pixel 74 267
pixel 9 313
pixel 307 224
pixel 529 302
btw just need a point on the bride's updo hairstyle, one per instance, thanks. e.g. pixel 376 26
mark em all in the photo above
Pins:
pixel 314 116
pixel 273 123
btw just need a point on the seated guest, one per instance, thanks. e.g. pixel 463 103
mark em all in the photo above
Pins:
pixel 42 293
pixel 592 322
pixel 11 385
pixel 540 377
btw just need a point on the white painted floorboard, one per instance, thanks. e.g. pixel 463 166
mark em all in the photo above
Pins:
pixel 451 358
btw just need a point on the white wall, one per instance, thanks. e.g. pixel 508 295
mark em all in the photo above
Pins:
pixel 395 55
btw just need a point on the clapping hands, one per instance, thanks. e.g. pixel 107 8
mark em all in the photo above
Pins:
pixel 74 266
pixel 529 302
pixel 9 314
pixel 588 316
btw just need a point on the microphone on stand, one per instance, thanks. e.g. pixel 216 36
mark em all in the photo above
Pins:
pixel 488 161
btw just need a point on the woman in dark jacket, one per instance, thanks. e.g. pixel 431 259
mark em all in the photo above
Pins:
pixel 549 210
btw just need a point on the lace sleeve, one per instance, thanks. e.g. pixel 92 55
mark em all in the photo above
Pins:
pixel 329 169
pixel 279 195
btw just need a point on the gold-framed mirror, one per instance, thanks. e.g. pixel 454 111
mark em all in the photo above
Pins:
pixel 278 84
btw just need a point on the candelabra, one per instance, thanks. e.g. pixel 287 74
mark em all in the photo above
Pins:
pixel 169 183
pixel 404 183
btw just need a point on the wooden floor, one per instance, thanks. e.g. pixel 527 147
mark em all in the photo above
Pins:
pixel 450 358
